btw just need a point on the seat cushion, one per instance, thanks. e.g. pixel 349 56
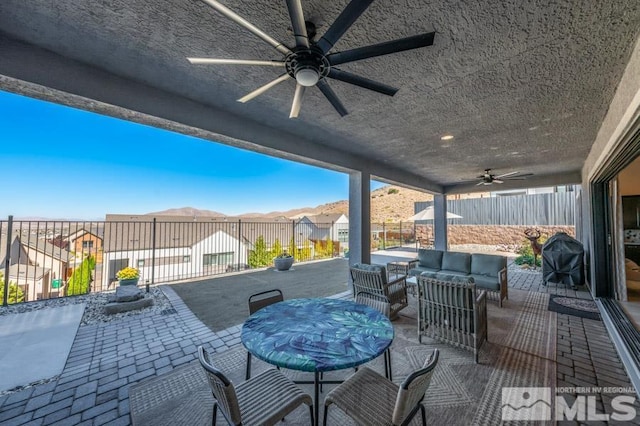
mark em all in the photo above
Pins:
pixel 487 264
pixel 431 259
pixel 457 262
pixel 444 273
pixel 373 268
pixel 489 283
pixel 418 270
pixel 632 270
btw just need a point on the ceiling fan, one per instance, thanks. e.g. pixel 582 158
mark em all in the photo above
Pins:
pixel 487 178
pixel 309 62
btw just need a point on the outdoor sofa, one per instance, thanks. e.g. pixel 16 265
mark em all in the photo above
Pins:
pixel 489 272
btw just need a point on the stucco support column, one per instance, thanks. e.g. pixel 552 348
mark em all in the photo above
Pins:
pixel 359 217
pixel 440 221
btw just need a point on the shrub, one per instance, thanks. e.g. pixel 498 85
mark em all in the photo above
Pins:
pixel 293 249
pixel 393 191
pixel 80 280
pixel 525 253
pixel 16 295
pixel 260 256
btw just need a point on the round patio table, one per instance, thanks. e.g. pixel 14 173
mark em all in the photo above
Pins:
pixel 317 335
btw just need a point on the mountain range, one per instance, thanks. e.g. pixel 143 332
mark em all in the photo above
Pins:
pixel 389 203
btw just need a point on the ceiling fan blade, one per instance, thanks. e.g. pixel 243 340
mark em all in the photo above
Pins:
pixel 347 17
pixel 481 183
pixel 211 61
pixel 264 88
pixel 331 97
pixel 249 26
pixel 297 23
pixel 516 178
pixel 523 175
pixel 497 181
pixel 297 101
pixel 507 174
pixel 347 77
pixel 408 43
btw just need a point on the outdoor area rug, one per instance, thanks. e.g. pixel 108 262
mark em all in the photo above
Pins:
pixel 520 352
pixel 583 308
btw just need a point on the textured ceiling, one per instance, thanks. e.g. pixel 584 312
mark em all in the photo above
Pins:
pixel 522 85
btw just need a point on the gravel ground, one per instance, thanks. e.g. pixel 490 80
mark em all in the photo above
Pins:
pixel 93 312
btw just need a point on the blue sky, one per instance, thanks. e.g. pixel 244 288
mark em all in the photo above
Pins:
pixel 61 162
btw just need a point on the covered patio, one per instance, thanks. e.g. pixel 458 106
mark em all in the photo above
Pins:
pixel 142 357
pixel 547 89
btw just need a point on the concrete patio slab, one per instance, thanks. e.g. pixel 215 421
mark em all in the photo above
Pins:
pixel 35 345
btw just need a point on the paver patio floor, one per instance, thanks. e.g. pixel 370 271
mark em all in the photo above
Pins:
pixel 106 359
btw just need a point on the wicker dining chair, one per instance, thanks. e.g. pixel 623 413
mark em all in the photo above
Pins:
pixel 370 399
pixel 263 400
pixel 256 302
pixel 382 304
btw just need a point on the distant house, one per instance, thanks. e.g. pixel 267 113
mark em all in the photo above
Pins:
pixel 323 226
pixel 85 242
pixel 38 267
pixel 171 250
pixel 272 230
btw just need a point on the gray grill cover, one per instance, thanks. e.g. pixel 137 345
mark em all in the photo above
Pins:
pixel 562 260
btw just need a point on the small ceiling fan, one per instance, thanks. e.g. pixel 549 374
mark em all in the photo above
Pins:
pixel 309 62
pixel 487 178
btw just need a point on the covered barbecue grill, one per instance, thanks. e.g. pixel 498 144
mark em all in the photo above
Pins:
pixel 562 260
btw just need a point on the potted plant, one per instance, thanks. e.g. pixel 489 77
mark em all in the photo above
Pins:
pixel 283 261
pixel 128 276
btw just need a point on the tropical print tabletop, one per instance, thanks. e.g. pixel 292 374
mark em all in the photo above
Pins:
pixel 317 334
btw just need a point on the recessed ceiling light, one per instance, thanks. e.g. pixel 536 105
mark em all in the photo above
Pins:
pixel 446 137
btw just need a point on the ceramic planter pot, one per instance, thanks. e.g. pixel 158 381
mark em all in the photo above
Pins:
pixel 283 263
pixel 133 281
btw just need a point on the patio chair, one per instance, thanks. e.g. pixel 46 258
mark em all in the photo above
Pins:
pixel 373 279
pixel 452 311
pixel 263 400
pixel 381 303
pixel 370 399
pixel 256 302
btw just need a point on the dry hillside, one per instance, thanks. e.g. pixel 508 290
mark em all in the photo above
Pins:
pixel 388 204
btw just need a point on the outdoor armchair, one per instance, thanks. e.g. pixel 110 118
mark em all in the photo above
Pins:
pixel 451 310
pixel 256 302
pixel 373 279
pixel 371 399
pixel 263 400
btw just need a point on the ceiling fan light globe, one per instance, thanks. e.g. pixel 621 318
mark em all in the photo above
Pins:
pixel 307 77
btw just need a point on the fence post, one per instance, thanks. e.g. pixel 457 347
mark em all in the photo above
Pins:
pixel 239 242
pixel 7 262
pixel 384 236
pixel 153 254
